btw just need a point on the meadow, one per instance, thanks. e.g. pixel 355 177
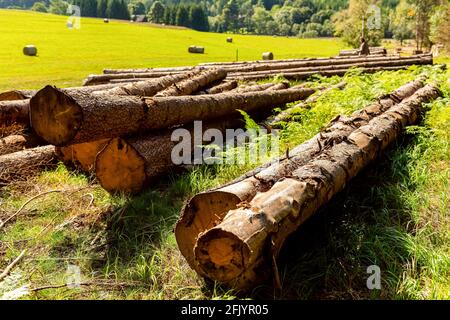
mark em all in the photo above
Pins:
pixel 66 56
pixel 395 214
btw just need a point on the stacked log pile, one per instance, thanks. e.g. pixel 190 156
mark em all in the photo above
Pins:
pixel 295 69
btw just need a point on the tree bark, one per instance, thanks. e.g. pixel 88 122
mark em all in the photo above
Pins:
pixel 14 111
pixel 193 84
pixel 207 209
pixel 249 238
pixel 16 95
pixel 225 86
pixel 21 164
pixel 64 118
pixel 106 78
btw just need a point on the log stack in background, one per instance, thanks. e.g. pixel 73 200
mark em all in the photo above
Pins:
pixel 138 108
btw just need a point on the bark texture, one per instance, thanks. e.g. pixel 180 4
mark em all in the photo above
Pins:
pixel 14 111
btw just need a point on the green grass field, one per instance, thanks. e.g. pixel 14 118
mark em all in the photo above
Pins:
pixel 66 57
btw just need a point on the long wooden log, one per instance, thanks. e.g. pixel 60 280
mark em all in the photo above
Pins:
pixel 222 87
pixel 241 250
pixel 147 70
pixel 305 75
pixel 206 209
pixel 22 164
pixel 193 84
pixel 400 62
pixel 64 118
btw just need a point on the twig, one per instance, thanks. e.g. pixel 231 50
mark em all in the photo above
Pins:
pixel 11 265
pixel 86 284
pixel 23 206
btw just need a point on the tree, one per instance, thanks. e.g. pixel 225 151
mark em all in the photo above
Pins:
pixel 353 23
pixel 198 18
pixel 102 6
pixel 402 21
pixel 422 13
pixel 136 8
pixel 58 7
pixel 182 16
pixel 440 32
pixel 231 16
pixel 39 7
pixel 260 19
pixel 156 13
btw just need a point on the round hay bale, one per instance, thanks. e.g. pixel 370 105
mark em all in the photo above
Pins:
pixel 229 40
pixel 196 49
pixel 106 20
pixel 30 50
pixel 267 56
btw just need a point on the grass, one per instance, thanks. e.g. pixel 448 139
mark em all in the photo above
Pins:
pixel 66 57
pixel 395 215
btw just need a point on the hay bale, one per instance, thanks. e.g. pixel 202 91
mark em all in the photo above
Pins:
pixel 30 50
pixel 106 20
pixel 196 49
pixel 267 56
pixel 229 40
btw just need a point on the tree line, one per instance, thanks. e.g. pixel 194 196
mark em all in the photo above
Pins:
pixel 424 20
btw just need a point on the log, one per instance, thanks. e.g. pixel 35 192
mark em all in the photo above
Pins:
pixel 286 114
pixel 241 251
pixel 17 142
pixel 206 209
pixel 223 87
pixel 63 118
pixel 151 87
pixel 129 164
pixel 371 64
pixel 21 164
pixel 305 75
pixel 193 84
pixel 147 70
pixel 16 95
pixel 14 111
pixel 97 79
pixel 82 156
pixel 305 63
pixel 255 87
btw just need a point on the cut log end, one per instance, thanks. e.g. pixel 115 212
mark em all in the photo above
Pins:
pixel 82 155
pixel 55 116
pixel 221 255
pixel 203 212
pixel 120 167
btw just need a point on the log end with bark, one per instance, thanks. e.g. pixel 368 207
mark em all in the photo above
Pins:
pixel 54 115
pixel 119 167
pixel 82 155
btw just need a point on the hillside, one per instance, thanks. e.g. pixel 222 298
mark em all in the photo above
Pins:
pixel 66 56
